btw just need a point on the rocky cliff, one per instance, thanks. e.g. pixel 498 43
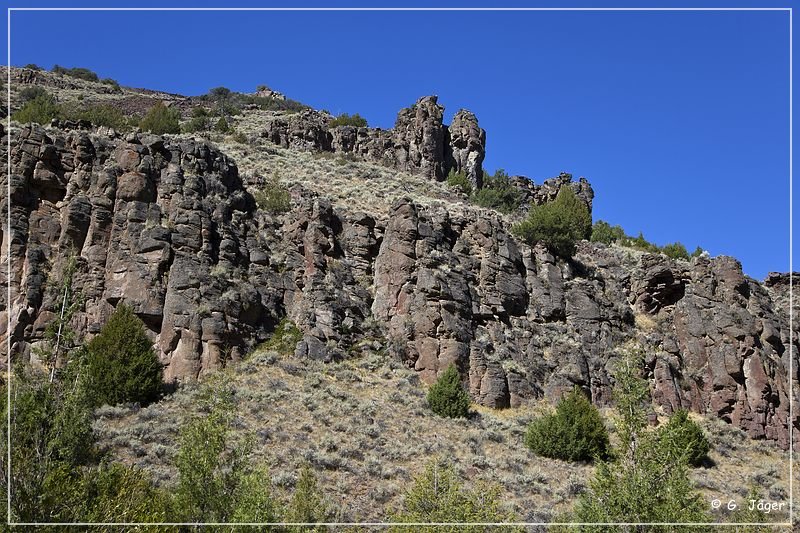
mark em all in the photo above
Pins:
pixel 419 141
pixel 167 225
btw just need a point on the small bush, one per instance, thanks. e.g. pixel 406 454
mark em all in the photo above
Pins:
pixel 31 93
pixel 284 339
pixel 559 224
pixel 228 109
pixel 447 396
pixel 606 233
pixel 161 119
pixel 240 138
pixel 99 115
pixel 219 93
pixel 642 244
pixel 77 72
pixel 121 363
pixel 307 504
pixel 273 197
pixel 41 110
pixel 32 66
pixel 697 252
pixel 684 436
pixel 438 495
pixel 458 180
pixel 574 432
pixel 498 193
pixel 675 250
pixel 222 125
pixel 112 83
pixel 344 119
pixel 199 122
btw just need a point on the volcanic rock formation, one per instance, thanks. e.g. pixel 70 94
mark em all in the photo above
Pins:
pixel 168 227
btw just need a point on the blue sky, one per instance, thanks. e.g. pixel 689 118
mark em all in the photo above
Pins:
pixel 680 120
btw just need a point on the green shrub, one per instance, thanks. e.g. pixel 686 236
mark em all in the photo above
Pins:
pixel 439 496
pixel 646 482
pixel 685 437
pixel 210 466
pixel 31 93
pixel 40 110
pixel 458 180
pixel 344 119
pixel 114 492
pixel 498 193
pixel 229 109
pixel 559 224
pixel 121 363
pixel 447 396
pixel 222 125
pixel 32 66
pixel 219 93
pixel 642 244
pixel 199 122
pixel 697 252
pixel 273 197
pixel 113 83
pixel 675 250
pixel 161 119
pixel 240 138
pixel 307 504
pixel 76 72
pixel 253 501
pixel 606 233
pixel 284 339
pixel 574 432
pixel 51 424
pixel 99 115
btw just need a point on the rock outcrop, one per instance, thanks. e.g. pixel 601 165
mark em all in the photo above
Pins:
pixel 168 227
pixel 419 141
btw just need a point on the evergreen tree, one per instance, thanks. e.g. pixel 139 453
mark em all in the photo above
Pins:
pixel 447 396
pixel 575 432
pixel 646 482
pixel 558 224
pixel 121 363
pixel 439 496
pixel 307 504
pixel 161 119
pixel 686 437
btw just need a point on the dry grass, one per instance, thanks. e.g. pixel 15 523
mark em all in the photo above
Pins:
pixel 364 426
pixel 350 185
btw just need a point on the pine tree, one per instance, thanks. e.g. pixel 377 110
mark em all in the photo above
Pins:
pixel 121 363
pixel 558 224
pixel 646 482
pixel 575 432
pixel 447 396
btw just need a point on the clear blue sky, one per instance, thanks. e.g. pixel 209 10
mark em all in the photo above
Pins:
pixel 680 120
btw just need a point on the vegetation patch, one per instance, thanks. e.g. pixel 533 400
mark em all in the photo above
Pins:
pixel 574 432
pixel 559 224
pixel 273 197
pixel 605 233
pixel 161 120
pixel 355 120
pixel 447 396
pixel 284 339
pixel 121 364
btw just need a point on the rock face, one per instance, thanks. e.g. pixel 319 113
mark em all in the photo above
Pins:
pixel 167 227
pixel 419 141
pixel 467 147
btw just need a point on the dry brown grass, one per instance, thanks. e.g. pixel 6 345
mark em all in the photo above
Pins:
pixel 364 426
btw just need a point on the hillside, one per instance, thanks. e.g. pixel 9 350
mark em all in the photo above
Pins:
pixel 390 275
